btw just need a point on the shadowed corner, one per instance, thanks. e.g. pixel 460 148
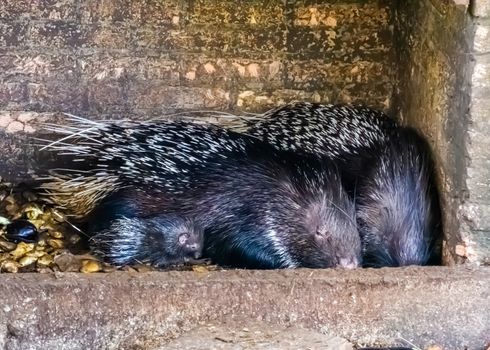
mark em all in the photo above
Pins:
pixel 21 158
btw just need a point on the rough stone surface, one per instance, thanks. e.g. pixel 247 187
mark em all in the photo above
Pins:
pixel 142 58
pixel 443 90
pixel 480 8
pixel 441 305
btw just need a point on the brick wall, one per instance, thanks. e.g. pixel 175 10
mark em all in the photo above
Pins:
pixel 145 57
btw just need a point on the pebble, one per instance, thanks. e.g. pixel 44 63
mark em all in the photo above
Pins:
pixel 90 266
pixel 7 246
pixel 9 266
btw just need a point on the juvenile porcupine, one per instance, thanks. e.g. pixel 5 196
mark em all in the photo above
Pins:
pixel 160 240
pixel 386 167
pixel 259 207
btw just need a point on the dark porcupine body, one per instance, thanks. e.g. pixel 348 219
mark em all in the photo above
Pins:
pixel 386 167
pixel 161 241
pixel 259 207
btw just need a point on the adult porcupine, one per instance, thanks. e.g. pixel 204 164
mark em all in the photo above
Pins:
pixel 259 207
pixel 388 168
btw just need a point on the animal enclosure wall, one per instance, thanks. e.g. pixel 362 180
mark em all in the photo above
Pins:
pixel 419 61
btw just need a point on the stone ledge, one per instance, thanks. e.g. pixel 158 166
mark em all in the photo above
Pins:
pixel 480 8
pixel 444 305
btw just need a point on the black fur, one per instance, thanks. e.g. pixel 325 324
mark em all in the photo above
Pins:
pixel 387 168
pixel 259 208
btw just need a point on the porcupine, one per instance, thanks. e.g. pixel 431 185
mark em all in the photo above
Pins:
pixel 386 167
pixel 160 240
pixel 259 207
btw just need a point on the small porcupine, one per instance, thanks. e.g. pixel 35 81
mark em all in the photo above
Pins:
pixel 160 240
pixel 386 167
pixel 259 207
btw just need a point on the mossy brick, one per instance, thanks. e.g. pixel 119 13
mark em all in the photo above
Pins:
pixel 255 12
pixel 13 34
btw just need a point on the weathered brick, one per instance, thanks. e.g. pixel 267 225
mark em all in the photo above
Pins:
pixel 13 92
pixel 102 66
pixel 244 41
pixel 480 8
pixel 226 73
pixel 13 34
pixel 321 74
pixel 108 96
pixel 163 12
pixel 263 13
pixel 37 65
pixel 154 95
pixel 482 37
pixel 62 34
pixel 142 12
pixel 52 9
pixel 159 97
pixel 110 11
pixel 338 43
pixel 15 9
pixel 334 15
pixel 198 98
pixel 161 37
pixel 55 95
pixel 260 101
pixel 58 34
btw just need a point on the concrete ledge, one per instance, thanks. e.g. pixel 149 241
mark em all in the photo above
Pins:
pixel 449 306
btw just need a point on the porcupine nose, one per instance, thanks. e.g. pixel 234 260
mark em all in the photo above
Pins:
pixel 348 263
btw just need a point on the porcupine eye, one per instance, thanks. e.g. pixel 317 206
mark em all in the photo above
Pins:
pixel 321 234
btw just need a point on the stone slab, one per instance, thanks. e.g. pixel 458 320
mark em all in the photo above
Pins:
pixel 446 306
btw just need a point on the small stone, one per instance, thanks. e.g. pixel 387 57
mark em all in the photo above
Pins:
pixel 67 262
pixel 56 234
pixel 55 243
pixel 4 221
pixel 9 266
pixel 33 211
pixel 45 260
pixel 27 260
pixel 7 246
pixel 21 250
pixel 90 266
pixel 460 250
